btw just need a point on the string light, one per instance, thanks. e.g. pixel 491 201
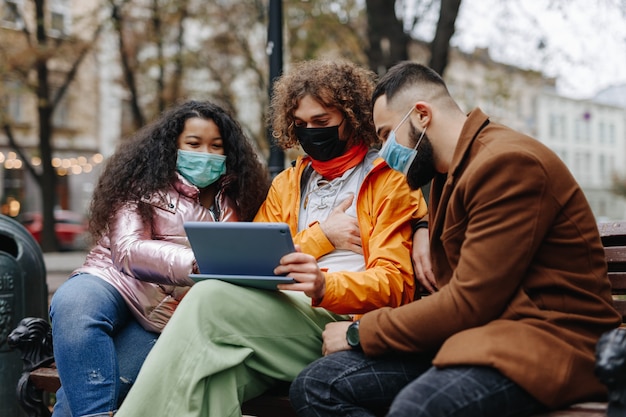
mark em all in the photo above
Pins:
pixel 64 166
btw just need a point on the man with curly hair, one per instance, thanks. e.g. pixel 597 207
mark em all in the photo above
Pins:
pixel 351 216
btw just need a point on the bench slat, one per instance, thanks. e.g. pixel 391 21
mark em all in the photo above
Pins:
pixel 615 255
pixel 618 282
pixel 610 230
pixel 46 379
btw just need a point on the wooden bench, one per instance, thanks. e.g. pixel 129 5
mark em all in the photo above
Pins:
pixel 41 378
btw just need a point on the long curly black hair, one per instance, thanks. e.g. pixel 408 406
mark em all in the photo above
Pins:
pixel 147 162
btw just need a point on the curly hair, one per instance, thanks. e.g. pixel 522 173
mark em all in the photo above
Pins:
pixel 147 163
pixel 336 84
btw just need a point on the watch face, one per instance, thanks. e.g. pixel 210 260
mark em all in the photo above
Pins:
pixel 352 335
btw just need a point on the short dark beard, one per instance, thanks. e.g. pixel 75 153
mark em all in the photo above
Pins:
pixel 422 169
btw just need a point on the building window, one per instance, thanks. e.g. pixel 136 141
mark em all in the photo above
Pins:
pixel 578 130
pixel 60 117
pixel 552 129
pixel 12 13
pixel 562 127
pixel 16 108
pixel 557 126
pixel 59 17
pixel 14 102
pixel 604 167
pixel 601 132
pixel 577 163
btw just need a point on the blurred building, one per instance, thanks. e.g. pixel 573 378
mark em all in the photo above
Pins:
pixel 588 135
pixel 508 94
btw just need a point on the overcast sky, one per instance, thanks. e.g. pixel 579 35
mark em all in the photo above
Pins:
pixel 584 41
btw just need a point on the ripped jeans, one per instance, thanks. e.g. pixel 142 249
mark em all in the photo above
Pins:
pixel 98 347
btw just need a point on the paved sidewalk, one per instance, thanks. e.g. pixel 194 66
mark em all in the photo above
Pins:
pixel 59 266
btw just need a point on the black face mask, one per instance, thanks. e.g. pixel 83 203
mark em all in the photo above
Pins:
pixel 422 170
pixel 321 143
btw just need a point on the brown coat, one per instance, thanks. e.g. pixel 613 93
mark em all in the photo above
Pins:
pixel 520 267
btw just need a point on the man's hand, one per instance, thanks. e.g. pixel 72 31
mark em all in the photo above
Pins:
pixel 304 270
pixel 342 229
pixel 422 266
pixel 334 337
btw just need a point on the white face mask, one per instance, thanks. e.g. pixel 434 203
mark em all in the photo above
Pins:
pixel 199 168
pixel 397 156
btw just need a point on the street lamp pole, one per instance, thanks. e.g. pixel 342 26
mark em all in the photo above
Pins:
pixel 274 50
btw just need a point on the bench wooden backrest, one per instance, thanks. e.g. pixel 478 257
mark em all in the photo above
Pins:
pixel 613 236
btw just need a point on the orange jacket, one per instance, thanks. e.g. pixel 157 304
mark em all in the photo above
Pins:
pixel 385 207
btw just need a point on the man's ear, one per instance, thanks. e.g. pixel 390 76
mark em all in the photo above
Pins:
pixel 423 111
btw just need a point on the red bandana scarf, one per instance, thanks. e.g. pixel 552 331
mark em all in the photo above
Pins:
pixel 335 167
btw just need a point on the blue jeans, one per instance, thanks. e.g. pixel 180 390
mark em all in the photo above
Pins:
pixel 98 346
pixel 349 384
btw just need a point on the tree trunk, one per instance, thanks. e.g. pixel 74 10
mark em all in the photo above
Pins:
pixel 177 76
pixel 49 241
pixel 387 40
pixel 129 75
pixel 440 46
pixel 158 39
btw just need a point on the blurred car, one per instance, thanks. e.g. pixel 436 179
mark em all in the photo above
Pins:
pixel 70 228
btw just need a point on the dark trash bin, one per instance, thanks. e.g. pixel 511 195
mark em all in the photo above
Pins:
pixel 23 292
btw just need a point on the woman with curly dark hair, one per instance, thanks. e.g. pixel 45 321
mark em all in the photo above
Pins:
pixel 194 163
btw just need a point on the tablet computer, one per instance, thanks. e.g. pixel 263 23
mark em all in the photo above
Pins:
pixel 243 253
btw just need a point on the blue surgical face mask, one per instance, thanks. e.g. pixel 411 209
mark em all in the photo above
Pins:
pixel 399 157
pixel 199 168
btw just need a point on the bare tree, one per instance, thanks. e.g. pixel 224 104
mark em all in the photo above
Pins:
pixel 326 28
pixel 225 60
pixel 388 34
pixel 440 46
pixel 127 60
pixel 29 59
pixel 387 39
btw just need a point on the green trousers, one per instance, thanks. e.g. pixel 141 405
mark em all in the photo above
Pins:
pixel 224 345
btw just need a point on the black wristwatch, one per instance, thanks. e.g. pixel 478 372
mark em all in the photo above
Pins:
pixel 352 336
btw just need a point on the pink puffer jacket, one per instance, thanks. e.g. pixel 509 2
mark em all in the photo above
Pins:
pixel 150 266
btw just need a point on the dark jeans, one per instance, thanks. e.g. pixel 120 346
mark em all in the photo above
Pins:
pixel 349 384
